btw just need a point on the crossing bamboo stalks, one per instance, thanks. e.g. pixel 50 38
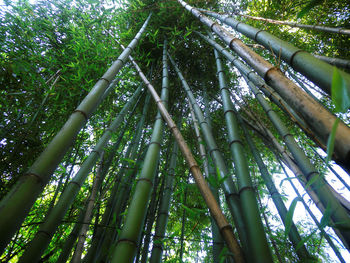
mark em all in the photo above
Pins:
pixel 163 214
pixel 228 185
pixel 256 235
pixel 337 30
pixel 42 238
pixel 293 234
pixel 108 235
pixel 320 227
pixel 129 237
pixel 338 214
pixel 17 203
pixel 69 242
pixel 224 226
pixel 88 213
pixel 315 115
pixel 316 70
pixel 218 243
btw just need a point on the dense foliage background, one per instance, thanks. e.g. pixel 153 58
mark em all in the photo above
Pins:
pixel 52 53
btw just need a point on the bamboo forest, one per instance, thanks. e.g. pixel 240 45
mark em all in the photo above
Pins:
pixel 175 131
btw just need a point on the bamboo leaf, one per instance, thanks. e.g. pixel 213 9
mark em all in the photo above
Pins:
pixel 308 7
pixel 340 92
pixel 305 239
pixel 289 217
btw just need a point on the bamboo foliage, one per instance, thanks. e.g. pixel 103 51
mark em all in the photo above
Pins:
pixel 336 30
pixel 316 70
pixel 17 203
pixel 318 113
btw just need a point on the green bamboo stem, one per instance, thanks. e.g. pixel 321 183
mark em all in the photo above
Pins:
pixel 17 203
pixel 256 235
pixel 88 213
pixel 293 234
pixel 151 217
pixel 129 236
pixel 163 214
pixel 224 226
pixel 269 231
pixel 338 62
pixel 124 187
pixel 313 113
pixel 69 243
pixel 338 214
pixel 228 185
pixel 218 242
pixel 329 240
pixel 318 71
pixel 337 30
pixel 42 238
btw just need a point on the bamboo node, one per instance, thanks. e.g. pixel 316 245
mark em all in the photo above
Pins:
pixel 125 240
pixel 293 55
pixel 145 179
pixel 234 141
pixel 36 176
pixel 256 34
pixel 245 188
pixel 155 142
pixel 82 113
pixel 108 81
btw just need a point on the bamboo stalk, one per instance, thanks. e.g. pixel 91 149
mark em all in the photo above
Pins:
pixel 17 203
pixel 225 228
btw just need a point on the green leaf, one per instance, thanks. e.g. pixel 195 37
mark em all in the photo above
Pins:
pixel 308 7
pixel 340 92
pixel 305 239
pixel 289 217
pixel 331 140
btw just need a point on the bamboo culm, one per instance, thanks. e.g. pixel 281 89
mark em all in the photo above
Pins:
pixel 15 206
pixel 228 185
pixel 318 118
pixel 257 238
pixel 76 258
pixel 163 214
pixel 318 71
pixel 224 226
pixel 42 238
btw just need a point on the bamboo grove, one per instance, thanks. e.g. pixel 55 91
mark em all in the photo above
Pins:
pixel 175 131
